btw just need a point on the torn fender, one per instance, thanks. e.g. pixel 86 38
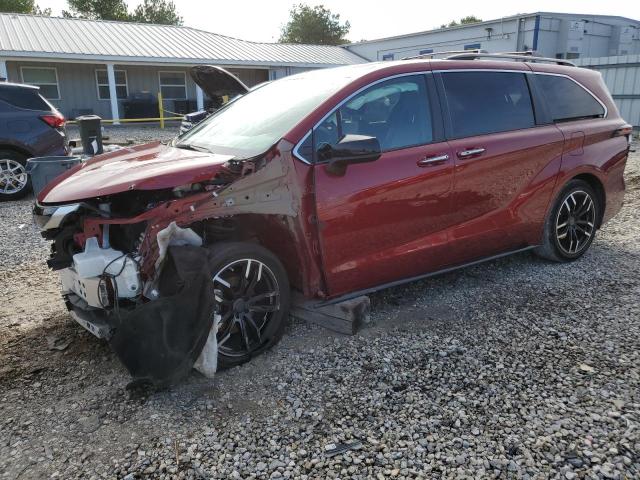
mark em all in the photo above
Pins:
pixel 160 341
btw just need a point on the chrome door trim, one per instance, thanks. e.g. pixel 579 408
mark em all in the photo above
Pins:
pixel 472 151
pixel 431 160
pixel 297 153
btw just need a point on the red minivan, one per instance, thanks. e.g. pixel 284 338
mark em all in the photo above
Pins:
pixel 333 183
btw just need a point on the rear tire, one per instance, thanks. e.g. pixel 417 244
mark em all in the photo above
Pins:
pixel 571 223
pixel 252 300
pixel 15 183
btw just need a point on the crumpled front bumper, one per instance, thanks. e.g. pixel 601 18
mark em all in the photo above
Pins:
pixel 160 340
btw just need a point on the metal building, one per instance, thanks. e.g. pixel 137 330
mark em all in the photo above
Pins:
pixel 556 35
pixel 87 66
pixel 610 44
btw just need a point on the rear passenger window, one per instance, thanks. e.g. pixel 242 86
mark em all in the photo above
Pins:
pixel 567 100
pixel 395 111
pixel 27 98
pixel 487 102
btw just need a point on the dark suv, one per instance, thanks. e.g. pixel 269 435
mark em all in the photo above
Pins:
pixel 29 127
pixel 334 183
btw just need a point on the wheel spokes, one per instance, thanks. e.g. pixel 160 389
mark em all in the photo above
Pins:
pixel 246 295
pixel 255 327
pixel 575 222
pixel 264 308
pixel 13 176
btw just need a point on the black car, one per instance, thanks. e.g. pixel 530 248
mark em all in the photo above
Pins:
pixel 29 127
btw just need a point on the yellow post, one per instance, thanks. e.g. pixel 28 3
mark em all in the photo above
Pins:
pixel 161 110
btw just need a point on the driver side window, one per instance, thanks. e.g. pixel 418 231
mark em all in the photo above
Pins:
pixel 395 111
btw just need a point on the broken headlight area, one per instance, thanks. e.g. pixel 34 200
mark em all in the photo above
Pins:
pixel 157 324
pixel 123 260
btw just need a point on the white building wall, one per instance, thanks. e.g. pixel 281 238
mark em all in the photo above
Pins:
pixel 584 36
pixel 622 75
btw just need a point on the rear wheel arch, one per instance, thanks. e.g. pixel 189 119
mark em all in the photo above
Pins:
pixel 595 183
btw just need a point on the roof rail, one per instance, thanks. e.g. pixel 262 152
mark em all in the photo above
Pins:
pixel 521 56
pixel 450 52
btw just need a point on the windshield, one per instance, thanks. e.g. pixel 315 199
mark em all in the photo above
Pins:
pixel 250 124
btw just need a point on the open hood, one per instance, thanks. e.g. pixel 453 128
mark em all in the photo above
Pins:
pixel 216 81
pixel 144 167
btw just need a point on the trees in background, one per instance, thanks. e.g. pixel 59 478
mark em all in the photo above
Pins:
pixel 97 9
pixel 157 11
pixel 23 6
pixel 149 11
pixel 463 20
pixel 314 25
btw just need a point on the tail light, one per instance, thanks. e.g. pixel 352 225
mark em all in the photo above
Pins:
pixel 624 131
pixel 54 120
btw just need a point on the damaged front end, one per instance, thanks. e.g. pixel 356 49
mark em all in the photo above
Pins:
pixel 134 260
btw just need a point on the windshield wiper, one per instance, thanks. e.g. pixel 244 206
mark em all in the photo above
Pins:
pixel 191 146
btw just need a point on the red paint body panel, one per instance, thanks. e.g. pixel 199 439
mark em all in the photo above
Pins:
pixel 502 194
pixel 379 220
pixel 389 219
pixel 144 167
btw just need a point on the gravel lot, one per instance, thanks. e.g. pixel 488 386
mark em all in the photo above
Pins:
pixel 517 368
pixel 137 133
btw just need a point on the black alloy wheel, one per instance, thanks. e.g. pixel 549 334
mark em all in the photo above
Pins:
pixel 251 292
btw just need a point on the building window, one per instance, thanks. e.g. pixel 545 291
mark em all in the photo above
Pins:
pixel 173 85
pixel 387 56
pixel 472 46
pixel 44 77
pixel 426 51
pixel 102 79
pixel 572 55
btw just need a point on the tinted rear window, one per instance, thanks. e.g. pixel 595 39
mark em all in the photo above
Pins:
pixel 567 100
pixel 487 102
pixel 26 98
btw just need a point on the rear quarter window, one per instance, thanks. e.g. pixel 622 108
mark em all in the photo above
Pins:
pixel 566 100
pixel 487 102
pixel 26 98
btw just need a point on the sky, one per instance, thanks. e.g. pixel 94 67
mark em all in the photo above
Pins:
pixel 262 20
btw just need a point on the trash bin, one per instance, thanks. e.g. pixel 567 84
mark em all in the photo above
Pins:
pixel 44 169
pixel 90 127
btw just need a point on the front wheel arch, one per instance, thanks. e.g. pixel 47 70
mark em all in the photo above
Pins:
pixel 223 254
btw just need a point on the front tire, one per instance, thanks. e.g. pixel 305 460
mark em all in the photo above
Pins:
pixel 14 180
pixel 252 296
pixel 571 224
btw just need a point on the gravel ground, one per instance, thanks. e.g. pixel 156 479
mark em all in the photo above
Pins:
pixel 137 133
pixel 517 368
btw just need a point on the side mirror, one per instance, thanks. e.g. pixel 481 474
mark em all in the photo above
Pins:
pixel 350 149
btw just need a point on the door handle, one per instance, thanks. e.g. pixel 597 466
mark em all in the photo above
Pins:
pixel 471 152
pixel 427 161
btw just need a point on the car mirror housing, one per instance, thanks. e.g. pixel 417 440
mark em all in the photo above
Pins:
pixel 350 149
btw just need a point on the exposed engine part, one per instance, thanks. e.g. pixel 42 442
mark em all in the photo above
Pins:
pixel 102 276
